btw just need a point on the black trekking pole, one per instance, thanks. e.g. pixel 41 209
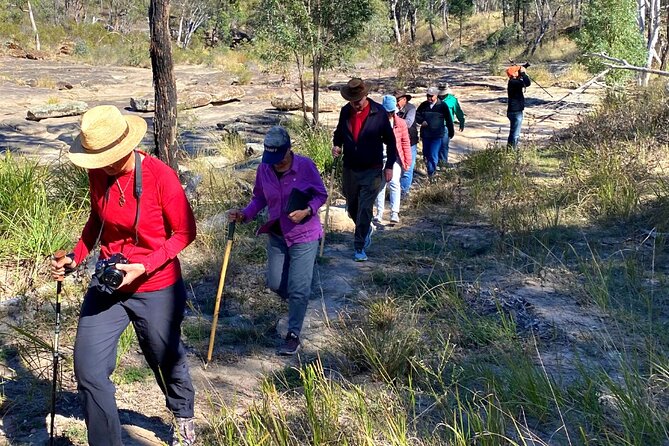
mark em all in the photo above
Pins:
pixel 56 353
pixel 527 65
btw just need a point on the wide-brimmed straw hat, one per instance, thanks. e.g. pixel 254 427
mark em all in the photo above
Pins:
pixel 355 89
pixel 402 94
pixel 106 137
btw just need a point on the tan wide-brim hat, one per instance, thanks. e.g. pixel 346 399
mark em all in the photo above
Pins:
pixel 355 89
pixel 106 137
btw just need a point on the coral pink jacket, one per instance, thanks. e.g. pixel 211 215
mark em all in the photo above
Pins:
pixel 403 144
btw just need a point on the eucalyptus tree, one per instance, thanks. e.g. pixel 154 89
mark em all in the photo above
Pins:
pixel 315 33
pixel 610 27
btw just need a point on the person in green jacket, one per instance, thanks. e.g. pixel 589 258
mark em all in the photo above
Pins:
pixel 446 95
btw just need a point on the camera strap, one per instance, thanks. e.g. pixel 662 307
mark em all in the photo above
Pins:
pixel 137 193
pixel 138 190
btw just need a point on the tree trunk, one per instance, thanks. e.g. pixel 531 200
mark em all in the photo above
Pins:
pixel 181 29
pixel 413 21
pixel 317 85
pixel 396 24
pixel 300 75
pixel 654 23
pixel 165 117
pixel 665 49
pixel 460 30
pixel 38 47
pixel 434 39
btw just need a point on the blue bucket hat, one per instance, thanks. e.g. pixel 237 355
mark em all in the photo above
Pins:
pixel 389 103
pixel 277 143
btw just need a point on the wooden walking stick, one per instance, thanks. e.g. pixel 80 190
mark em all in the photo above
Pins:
pixel 219 292
pixel 327 206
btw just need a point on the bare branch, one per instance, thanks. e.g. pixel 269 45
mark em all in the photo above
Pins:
pixel 622 64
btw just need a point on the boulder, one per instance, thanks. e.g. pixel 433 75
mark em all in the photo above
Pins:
pixel 292 101
pixel 146 104
pixel 194 99
pixel 227 94
pixel 70 108
pixel 61 85
pixel 338 219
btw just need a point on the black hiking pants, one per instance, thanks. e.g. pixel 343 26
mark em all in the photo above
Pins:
pixel 156 317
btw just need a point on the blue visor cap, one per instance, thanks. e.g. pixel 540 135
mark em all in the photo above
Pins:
pixel 277 144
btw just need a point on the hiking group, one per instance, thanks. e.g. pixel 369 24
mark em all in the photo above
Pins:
pixel 141 220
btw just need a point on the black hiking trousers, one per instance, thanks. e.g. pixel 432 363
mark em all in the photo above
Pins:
pixel 156 317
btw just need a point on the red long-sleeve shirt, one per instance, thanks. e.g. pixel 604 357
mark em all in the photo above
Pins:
pixel 166 223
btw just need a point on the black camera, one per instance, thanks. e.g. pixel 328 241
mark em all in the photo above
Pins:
pixel 107 277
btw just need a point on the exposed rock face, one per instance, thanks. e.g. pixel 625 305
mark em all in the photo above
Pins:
pixel 292 101
pixel 338 218
pixel 70 108
pixel 192 99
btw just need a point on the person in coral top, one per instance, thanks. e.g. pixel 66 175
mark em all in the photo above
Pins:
pixel 402 163
pixel 142 220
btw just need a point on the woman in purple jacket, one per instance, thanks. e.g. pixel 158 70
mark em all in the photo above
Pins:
pixel 290 186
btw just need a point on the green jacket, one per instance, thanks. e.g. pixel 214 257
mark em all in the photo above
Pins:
pixel 455 110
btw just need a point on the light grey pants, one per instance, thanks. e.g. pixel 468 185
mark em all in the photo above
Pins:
pixel 290 271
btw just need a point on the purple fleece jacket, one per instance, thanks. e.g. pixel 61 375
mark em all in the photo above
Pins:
pixel 273 192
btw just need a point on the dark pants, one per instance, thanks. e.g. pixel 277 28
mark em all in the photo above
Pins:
pixel 515 121
pixel 360 189
pixel 289 274
pixel 156 317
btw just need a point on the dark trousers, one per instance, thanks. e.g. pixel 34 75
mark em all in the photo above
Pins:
pixel 156 317
pixel 360 187
pixel 289 274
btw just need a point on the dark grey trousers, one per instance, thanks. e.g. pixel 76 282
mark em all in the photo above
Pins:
pixel 156 317
pixel 290 271
pixel 360 188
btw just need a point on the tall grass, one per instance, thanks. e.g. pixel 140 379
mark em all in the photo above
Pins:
pixel 36 216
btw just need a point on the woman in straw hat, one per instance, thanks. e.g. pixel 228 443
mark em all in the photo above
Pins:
pixel 140 212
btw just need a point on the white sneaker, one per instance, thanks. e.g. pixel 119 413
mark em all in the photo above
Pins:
pixel 395 217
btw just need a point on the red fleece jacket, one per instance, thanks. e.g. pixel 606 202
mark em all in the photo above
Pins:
pixel 166 223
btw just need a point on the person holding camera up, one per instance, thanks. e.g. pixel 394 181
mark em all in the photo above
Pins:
pixel 142 220
pixel 518 81
pixel 292 190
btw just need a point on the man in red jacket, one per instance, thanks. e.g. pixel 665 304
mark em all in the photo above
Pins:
pixel 361 132
pixel 138 212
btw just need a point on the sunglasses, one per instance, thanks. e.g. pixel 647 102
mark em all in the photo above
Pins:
pixel 431 95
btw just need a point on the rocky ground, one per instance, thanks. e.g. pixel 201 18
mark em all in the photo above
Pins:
pixel 337 283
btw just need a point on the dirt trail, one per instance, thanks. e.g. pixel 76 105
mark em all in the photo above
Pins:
pixel 145 419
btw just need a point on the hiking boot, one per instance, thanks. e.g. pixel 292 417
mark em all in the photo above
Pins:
pixel 359 255
pixel 368 239
pixel 184 432
pixel 290 346
pixel 395 217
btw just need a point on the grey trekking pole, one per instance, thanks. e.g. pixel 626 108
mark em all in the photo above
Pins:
pixel 56 353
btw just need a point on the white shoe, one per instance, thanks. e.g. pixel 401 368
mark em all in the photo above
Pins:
pixel 395 217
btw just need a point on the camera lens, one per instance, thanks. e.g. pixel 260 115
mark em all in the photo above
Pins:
pixel 113 277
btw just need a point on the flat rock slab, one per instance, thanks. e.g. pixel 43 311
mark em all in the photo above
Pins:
pixel 191 99
pixel 70 108
pixel 292 101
